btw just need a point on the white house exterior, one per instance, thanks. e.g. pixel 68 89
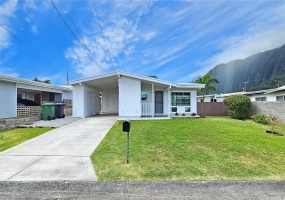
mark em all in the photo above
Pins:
pixel 131 95
pixel 12 88
pixel 276 94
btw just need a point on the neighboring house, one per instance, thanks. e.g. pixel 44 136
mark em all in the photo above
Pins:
pixel 12 88
pixel 131 95
pixel 276 94
pixel 209 98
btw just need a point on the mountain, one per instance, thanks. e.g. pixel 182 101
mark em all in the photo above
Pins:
pixel 261 71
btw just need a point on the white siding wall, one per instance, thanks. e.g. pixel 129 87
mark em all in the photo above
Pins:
pixel 78 101
pixel 8 99
pixel 86 101
pixel 66 95
pixel 193 101
pixel 110 100
pixel 129 97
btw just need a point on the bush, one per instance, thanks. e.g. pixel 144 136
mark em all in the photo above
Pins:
pixel 262 119
pixel 238 106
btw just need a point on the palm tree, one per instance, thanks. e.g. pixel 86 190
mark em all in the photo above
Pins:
pixel 208 80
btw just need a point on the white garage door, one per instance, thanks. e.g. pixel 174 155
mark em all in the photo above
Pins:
pixel 90 104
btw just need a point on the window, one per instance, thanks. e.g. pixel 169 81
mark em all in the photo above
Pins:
pixel 180 99
pixel 187 109
pixel 19 96
pixel 144 96
pixel 213 100
pixel 260 99
pixel 174 109
pixel 280 98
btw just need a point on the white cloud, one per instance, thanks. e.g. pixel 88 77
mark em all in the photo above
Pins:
pixel 27 19
pixel 34 29
pixel 121 34
pixel 7 9
pixel 149 35
pixel 242 47
pixel 29 4
pixel 8 71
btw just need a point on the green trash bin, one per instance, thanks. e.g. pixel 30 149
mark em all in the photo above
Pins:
pixel 48 111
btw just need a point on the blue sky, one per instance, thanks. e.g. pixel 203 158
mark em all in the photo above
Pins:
pixel 174 40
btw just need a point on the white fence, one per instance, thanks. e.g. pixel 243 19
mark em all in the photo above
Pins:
pixel 27 111
pixel 147 110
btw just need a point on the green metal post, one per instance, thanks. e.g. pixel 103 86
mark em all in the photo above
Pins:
pixel 128 146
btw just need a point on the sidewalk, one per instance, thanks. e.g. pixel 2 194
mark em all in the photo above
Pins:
pixel 144 190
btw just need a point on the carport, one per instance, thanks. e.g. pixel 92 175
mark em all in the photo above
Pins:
pixel 93 96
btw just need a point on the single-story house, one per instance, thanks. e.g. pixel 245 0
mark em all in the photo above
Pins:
pixel 132 95
pixel 275 94
pixel 12 89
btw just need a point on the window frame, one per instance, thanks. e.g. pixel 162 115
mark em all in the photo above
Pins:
pixel 142 96
pixel 260 99
pixel 281 97
pixel 177 106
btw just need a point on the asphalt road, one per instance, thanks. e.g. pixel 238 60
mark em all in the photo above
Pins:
pixel 144 190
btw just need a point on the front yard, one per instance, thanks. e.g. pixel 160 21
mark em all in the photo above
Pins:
pixel 211 148
pixel 17 136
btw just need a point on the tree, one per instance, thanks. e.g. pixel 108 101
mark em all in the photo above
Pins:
pixel 208 80
pixel 238 106
pixel 38 80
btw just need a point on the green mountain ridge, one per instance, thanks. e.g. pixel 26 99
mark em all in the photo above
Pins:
pixel 261 71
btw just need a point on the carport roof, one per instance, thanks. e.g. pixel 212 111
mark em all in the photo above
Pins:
pixel 102 81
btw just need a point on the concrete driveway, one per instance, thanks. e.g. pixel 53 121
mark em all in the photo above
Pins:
pixel 60 154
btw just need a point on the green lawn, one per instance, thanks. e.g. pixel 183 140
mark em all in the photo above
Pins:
pixel 16 136
pixel 211 148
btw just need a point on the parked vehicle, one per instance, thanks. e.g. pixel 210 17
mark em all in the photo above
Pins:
pixel 27 102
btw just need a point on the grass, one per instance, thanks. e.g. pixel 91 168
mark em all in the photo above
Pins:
pixel 17 136
pixel 211 148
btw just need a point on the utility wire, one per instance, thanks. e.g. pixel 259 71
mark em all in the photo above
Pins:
pixel 103 36
pixel 24 72
pixel 87 50
pixel 33 52
pixel 25 66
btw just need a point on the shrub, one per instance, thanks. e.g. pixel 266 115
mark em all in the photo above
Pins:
pixel 262 119
pixel 238 106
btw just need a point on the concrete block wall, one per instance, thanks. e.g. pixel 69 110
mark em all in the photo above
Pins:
pixel 67 107
pixel 14 122
pixel 276 108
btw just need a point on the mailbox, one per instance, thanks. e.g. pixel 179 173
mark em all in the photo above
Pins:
pixel 126 126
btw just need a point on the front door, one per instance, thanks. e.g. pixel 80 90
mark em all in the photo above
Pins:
pixel 37 98
pixel 158 102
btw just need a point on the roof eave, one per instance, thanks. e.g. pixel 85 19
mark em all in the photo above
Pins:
pixel 34 83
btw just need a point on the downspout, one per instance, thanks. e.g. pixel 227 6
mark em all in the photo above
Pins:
pixel 152 94
pixel 169 100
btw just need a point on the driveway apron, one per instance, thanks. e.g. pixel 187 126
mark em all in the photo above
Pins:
pixel 61 154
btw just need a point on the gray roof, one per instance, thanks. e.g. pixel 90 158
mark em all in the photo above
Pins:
pixel 34 83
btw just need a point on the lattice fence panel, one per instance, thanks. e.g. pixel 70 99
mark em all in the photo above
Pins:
pixel 26 111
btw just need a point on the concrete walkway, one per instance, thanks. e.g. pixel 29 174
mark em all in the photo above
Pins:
pixel 60 154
